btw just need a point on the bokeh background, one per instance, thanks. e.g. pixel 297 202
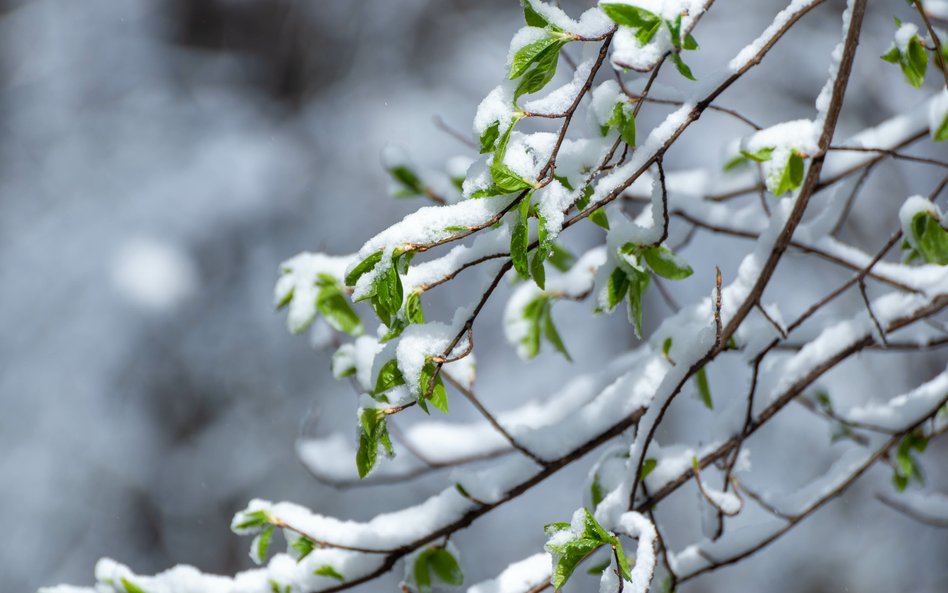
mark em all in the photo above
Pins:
pixel 160 158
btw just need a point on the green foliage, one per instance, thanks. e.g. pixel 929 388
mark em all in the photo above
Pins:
pixel 386 293
pixel 906 467
pixel 532 17
pixel 389 377
pixel 413 311
pixel 598 215
pixel 328 571
pixel 437 562
pixel 788 178
pixel 704 388
pixel 373 434
pixel 682 68
pixel 303 546
pixel 913 61
pixel 364 266
pixel 538 314
pixel 536 63
pixel 438 396
pixel 333 305
pixel 131 587
pixel 520 238
pixel 254 519
pixel 644 24
pixel 489 137
pixel 568 555
pixel 622 118
pixel 940 133
pixel 561 258
pixel 631 278
pixel 262 544
pixel 931 240
pixel 744 157
pixel 410 185
pixel 666 264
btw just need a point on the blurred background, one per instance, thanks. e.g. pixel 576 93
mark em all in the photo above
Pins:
pixel 160 158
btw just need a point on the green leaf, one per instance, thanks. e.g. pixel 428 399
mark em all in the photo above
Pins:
pixel 446 567
pixel 666 347
pixel 533 313
pixel 439 396
pixel 690 43
pixel 542 72
pixel 544 248
pixel 374 434
pixel 791 176
pixel 622 118
pixel 574 552
pixel 363 267
pixel 630 16
pixel 616 287
pixel 646 34
pixel 462 490
pixel 931 238
pixel 285 299
pixel 505 178
pixel 537 271
pixel 626 122
pixel 892 56
pixel 411 184
pixel 704 389
pixel 638 283
pixel 332 303
pixel 531 16
pixel 551 529
pixel 131 587
pixel 263 544
pixel 761 156
pixel 915 62
pixel 647 466
pixel 674 27
pixel 593 530
pixel 520 238
pixel 413 312
pixel 599 217
pixel 254 519
pixel 906 467
pixel 624 568
pixel 389 377
pixel 303 546
pixel 489 137
pixel 940 134
pixel 395 329
pixel 561 258
pixel 422 573
pixel 683 68
pixel 666 264
pixel 488 192
pixel 735 162
pixel 553 336
pixel 533 53
pixel 328 571
pixel 387 294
